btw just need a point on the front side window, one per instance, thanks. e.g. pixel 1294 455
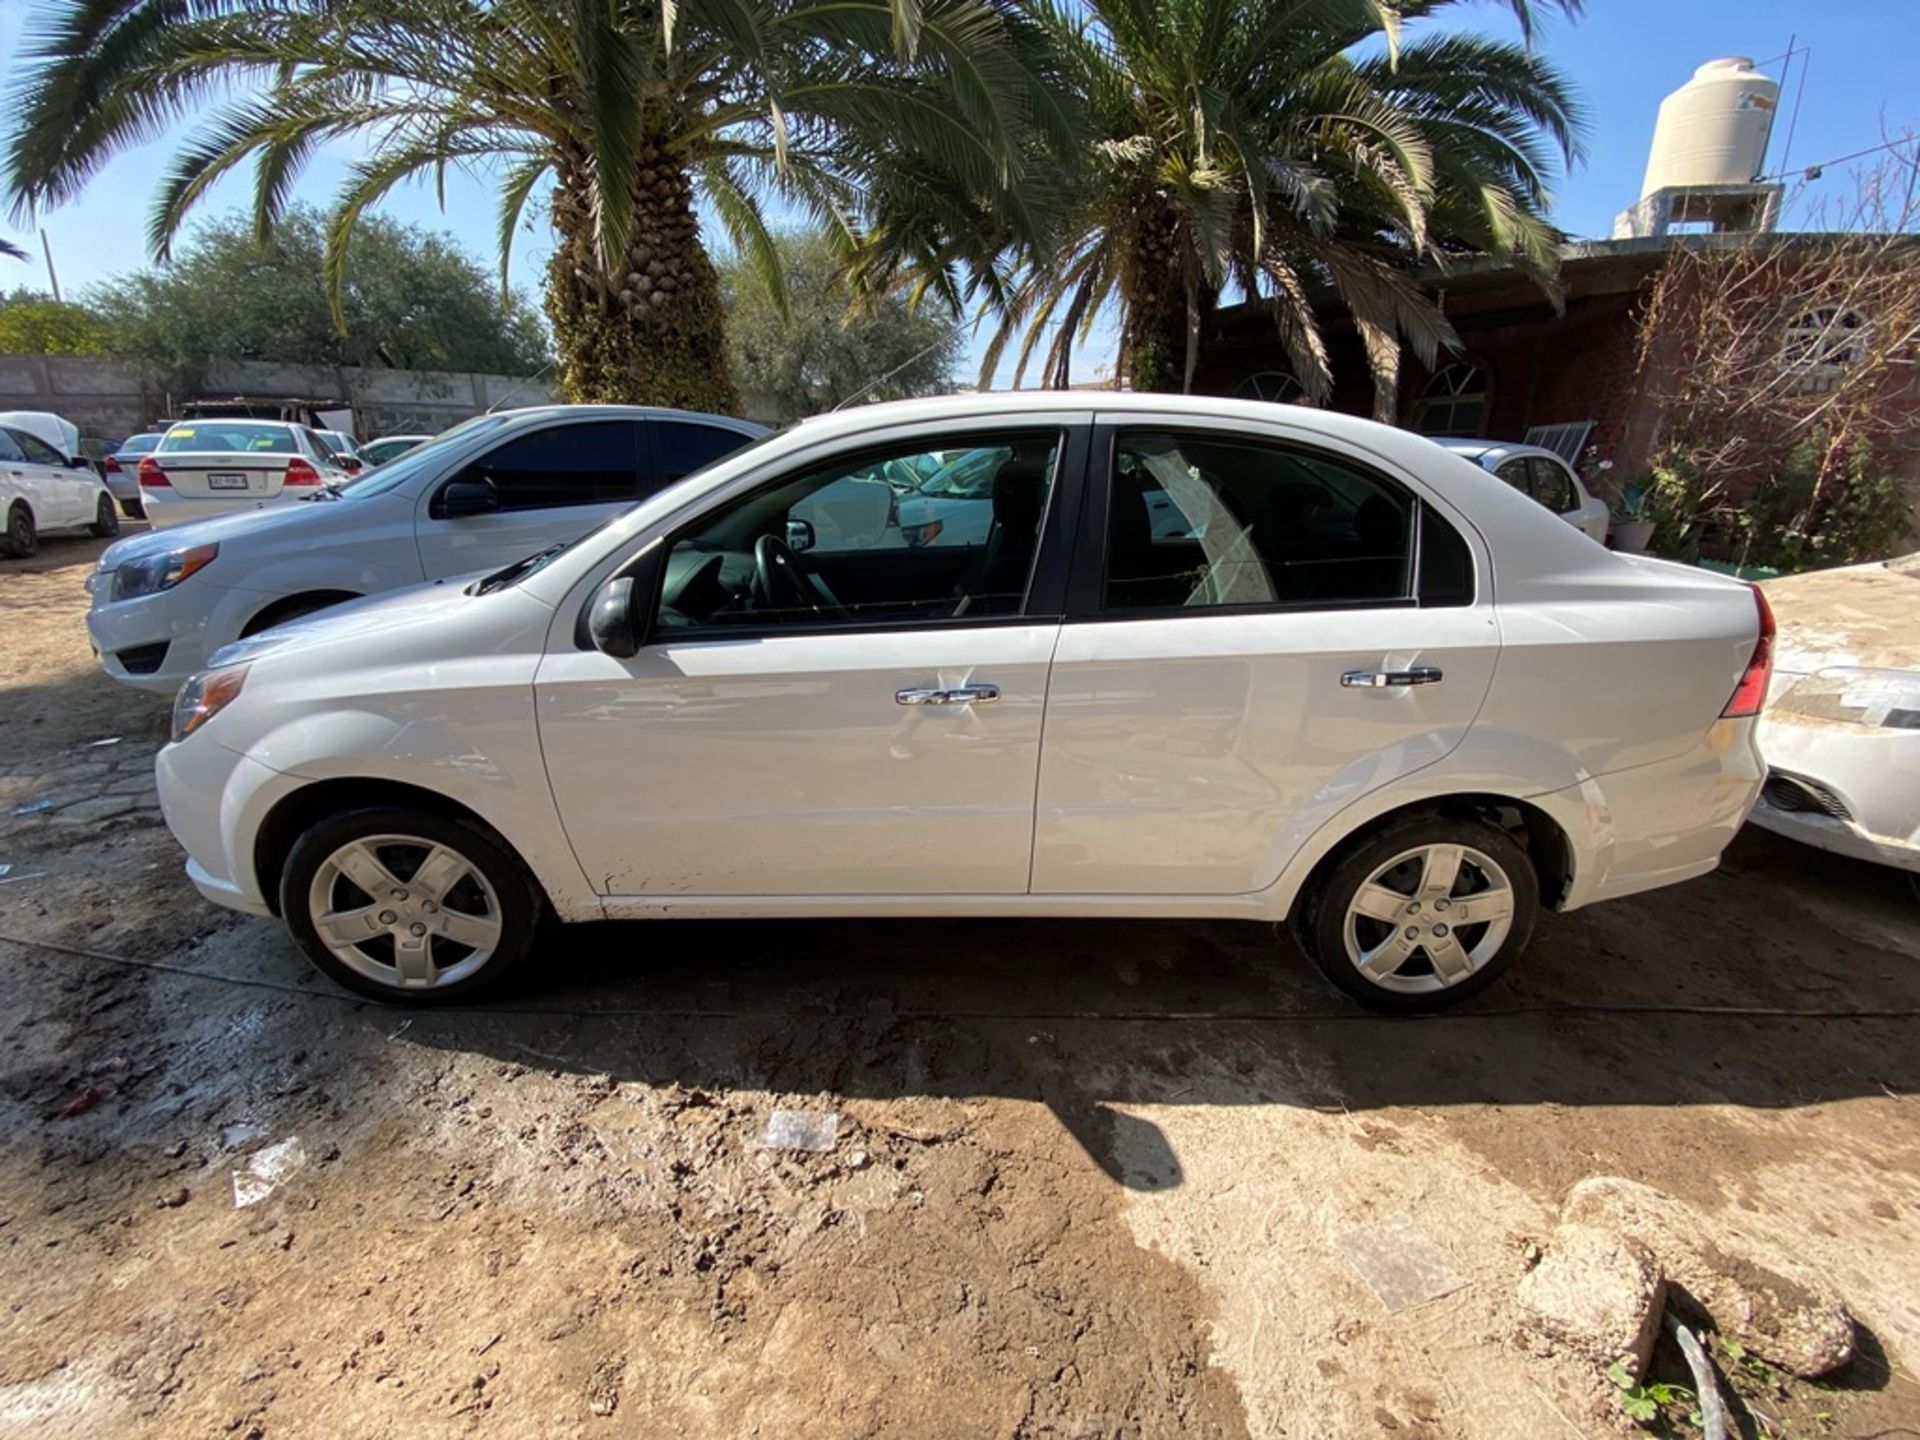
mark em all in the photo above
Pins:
pixel 588 464
pixel 10 450
pixel 37 450
pixel 1203 521
pixel 827 546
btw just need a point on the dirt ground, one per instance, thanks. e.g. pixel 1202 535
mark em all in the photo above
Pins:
pixel 1090 1178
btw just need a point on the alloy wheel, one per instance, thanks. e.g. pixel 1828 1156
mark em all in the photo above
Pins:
pixel 1429 918
pixel 405 912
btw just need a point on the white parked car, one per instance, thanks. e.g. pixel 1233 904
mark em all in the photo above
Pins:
pixel 206 468
pixel 1542 476
pixel 43 490
pixel 484 493
pixel 1406 725
pixel 1841 731
pixel 390 447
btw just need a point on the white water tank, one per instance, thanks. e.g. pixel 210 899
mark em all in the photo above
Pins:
pixel 1713 130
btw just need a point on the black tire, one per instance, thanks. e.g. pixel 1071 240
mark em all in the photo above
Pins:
pixel 133 510
pixel 1416 984
pixel 106 519
pixel 22 537
pixel 520 903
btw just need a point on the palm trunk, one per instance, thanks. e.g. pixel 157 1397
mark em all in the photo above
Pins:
pixel 648 328
pixel 1153 298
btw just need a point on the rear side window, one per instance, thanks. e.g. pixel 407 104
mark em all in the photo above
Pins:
pixel 588 464
pixel 685 447
pixel 1203 521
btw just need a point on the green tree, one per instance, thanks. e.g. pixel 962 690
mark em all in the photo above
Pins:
pixel 1290 149
pixel 36 324
pixel 827 345
pixel 409 299
pixel 634 110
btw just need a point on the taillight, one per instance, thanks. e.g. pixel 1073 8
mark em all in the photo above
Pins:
pixel 299 472
pixel 113 464
pixel 1751 693
pixel 152 477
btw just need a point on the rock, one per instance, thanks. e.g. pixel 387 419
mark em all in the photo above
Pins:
pixel 1599 1292
pixel 1775 1309
pixel 173 1199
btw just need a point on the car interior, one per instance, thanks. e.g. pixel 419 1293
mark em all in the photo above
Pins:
pixel 1196 521
pixel 826 548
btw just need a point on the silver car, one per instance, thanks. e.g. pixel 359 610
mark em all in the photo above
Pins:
pixel 1541 475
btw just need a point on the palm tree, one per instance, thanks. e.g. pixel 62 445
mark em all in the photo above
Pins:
pixel 1288 148
pixel 636 111
pixel 12 251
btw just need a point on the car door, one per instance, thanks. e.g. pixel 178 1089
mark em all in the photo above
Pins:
pixel 775 737
pixel 63 496
pixel 552 484
pixel 1315 626
pixel 25 480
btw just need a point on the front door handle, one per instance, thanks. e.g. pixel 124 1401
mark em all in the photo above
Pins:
pixel 1381 679
pixel 962 695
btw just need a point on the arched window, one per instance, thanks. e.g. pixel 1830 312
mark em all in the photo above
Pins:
pixel 1454 402
pixel 1820 344
pixel 1274 385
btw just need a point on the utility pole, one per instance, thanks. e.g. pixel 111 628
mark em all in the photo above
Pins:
pixel 46 249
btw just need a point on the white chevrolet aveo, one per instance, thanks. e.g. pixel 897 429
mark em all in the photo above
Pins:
pixel 1365 687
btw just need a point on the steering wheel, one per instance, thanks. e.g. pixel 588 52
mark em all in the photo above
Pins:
pixel 781 582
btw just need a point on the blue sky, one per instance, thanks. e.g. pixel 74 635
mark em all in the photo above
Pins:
pixel 1624 56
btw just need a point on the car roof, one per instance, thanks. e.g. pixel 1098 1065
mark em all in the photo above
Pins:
pixel 525 413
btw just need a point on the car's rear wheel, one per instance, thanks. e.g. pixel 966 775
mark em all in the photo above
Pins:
pixel 407 906
pixel 106 520
pixel 1423 912
pixel 22 538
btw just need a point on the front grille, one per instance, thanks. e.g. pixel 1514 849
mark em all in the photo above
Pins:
pixel 143 659
pixel 1798 794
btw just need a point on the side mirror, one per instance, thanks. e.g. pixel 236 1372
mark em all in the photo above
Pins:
pixel 611 624
pixel 468 497
pixel 800 535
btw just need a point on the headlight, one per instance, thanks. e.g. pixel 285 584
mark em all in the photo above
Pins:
pixel 1889 699
pixel 150 574
pixel 204 696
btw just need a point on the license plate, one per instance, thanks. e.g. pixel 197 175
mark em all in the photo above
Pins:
pixel 226 480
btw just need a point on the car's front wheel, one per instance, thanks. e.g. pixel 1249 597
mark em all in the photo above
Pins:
pixel 408 906
pixel 1422 913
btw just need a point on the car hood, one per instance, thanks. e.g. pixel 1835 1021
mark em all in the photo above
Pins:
pixel 275 523
pixel 1859 616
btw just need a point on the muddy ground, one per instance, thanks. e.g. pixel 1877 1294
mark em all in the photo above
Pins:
pixel 1090 1179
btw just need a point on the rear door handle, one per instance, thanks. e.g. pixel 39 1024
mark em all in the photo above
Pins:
pixel 963 695
pixel 1382 679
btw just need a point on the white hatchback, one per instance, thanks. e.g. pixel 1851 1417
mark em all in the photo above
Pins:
pixel 1365 687
pixel 1543 477
pixel 486 492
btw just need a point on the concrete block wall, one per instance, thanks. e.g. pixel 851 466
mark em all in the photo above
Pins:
pixel 110 398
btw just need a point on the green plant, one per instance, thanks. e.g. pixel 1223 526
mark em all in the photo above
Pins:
pixel 1824 504
pixel 1679 497
pixel 1646 1402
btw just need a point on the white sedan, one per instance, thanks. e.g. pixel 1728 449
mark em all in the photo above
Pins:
pixel 1367 688
pixel 1841 732
pixel 204 468
pixel 1542 476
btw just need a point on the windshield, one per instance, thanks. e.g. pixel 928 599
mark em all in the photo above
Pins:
pixel 402 468
pixel 237 437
